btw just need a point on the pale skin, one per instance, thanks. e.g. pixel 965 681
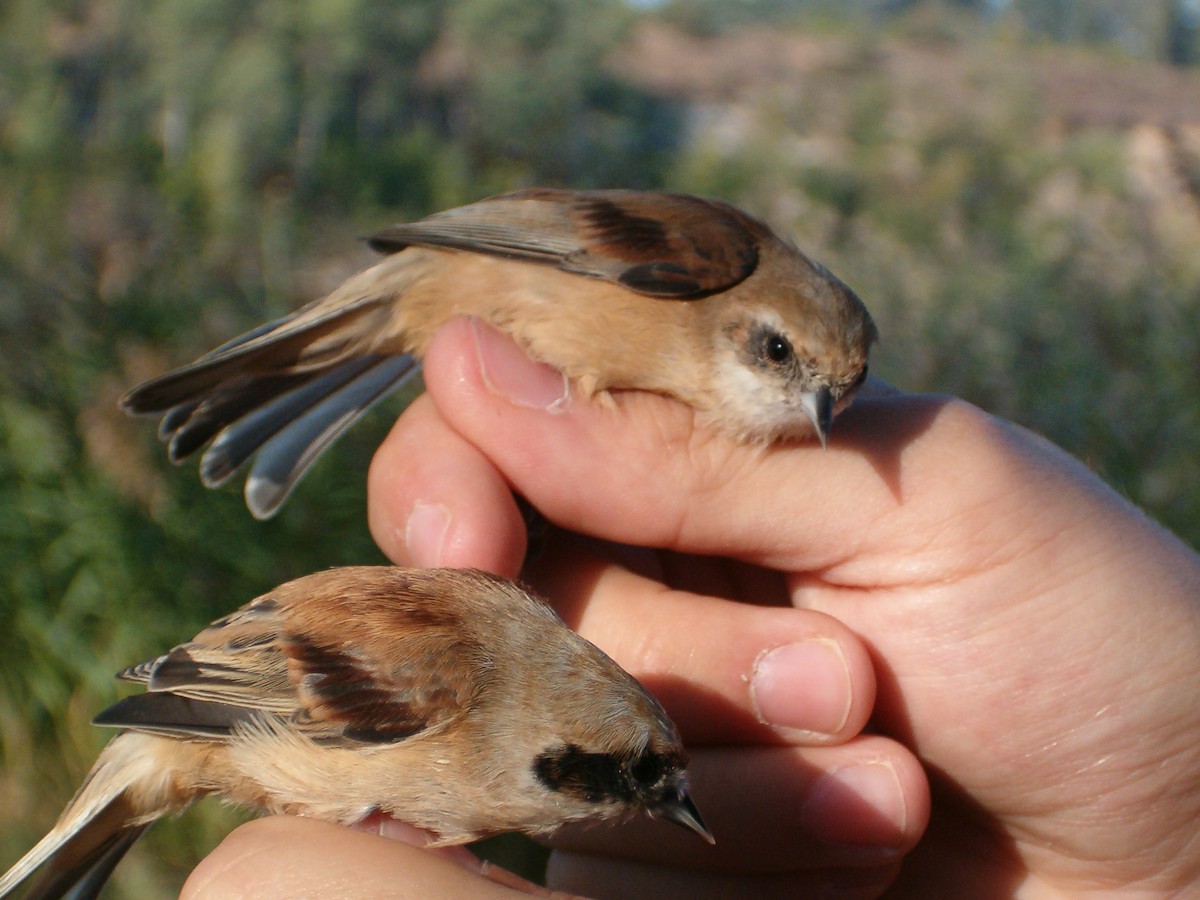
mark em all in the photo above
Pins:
pixel 1025 643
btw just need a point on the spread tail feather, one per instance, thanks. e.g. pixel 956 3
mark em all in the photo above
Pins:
pixel 99 825
pixel 287 455
pixel 285 390
pixel 272 347
pixel 85 880
pixel 241 436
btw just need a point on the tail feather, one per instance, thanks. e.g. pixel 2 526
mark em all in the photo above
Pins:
pixel 272 347
pixel 241 437
pixel 98 826
pixel 285 390
pixel 203 421
pixel 82 834
pixel 85 880
pixel 284 459
pixel 147 397
pixel 174 418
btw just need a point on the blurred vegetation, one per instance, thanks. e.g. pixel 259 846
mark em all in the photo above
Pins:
pixel 176 172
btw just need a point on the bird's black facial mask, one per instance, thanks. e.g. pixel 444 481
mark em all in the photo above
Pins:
pixel 599 777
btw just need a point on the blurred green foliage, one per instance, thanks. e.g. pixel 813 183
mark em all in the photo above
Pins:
pixel 173 173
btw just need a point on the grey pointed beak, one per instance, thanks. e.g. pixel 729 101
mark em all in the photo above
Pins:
pixel 682 811
pixel 818 406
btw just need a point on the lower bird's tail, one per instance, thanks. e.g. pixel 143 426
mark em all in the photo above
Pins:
pixel 123 795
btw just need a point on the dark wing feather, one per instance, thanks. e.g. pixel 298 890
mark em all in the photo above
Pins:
pixel 344 699
pixel 534 226
pixel 654 243
pixel 164 713
pixel 388 670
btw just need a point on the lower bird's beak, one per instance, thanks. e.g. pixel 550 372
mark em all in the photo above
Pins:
pixel 682 811
pixel 818 406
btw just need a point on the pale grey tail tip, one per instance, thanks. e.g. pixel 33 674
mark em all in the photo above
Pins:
pixel 283 460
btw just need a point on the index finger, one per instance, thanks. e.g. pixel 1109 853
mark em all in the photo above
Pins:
pixel 641 470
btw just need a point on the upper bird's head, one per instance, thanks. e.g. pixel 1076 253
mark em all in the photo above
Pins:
pixel 790 353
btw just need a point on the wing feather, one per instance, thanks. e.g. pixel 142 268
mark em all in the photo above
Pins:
pixel 654 243
pixel 388 669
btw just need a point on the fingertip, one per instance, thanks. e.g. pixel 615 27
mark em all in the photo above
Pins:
pixel 737 671
pixel 427 532
pixel 804 686
pixel 609 467
pixel 862 804
pixel 596 874
pixel 434 500
pixel 291 856
pixel 642 469
pixel 511 375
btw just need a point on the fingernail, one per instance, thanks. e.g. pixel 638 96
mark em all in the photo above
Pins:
pixel 803 686
pixel 510 374
pixel 385 826
pixel 860 806
pixel 425 533
pixel 856 882
pixel 393 829
pixel 505 878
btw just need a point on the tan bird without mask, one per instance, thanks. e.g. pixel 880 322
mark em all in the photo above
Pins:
pixel 449 699
pixel 661 292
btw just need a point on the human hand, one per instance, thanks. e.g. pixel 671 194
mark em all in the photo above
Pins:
pixel 294 857
pixel 1034 636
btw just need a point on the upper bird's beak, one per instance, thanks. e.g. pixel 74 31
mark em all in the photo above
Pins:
pixel 818 406
pixel 682 811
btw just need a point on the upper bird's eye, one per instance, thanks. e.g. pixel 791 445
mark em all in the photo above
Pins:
pixel 777 347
